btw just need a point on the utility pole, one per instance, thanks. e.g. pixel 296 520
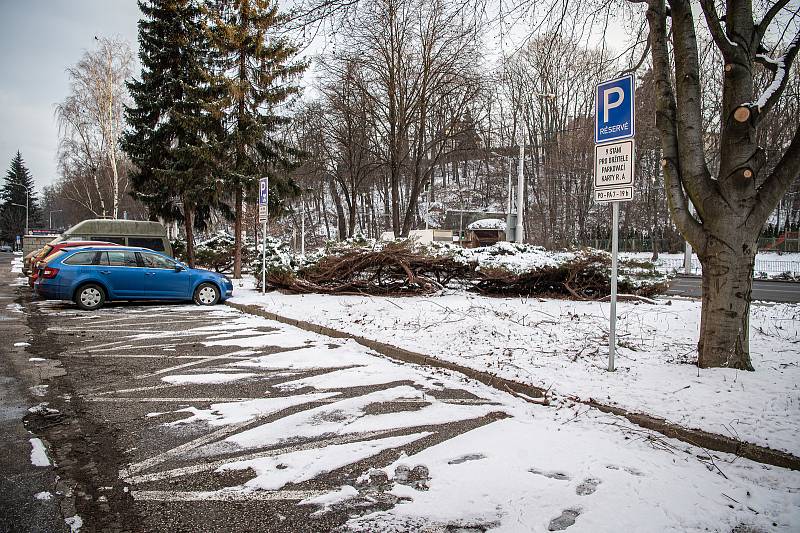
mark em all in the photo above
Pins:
pixel 27 203
pixel 51 216
pixel 302 225
pixel 519 232
pixel 687 251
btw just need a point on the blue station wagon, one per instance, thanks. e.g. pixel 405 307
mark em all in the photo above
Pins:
pixel 92 275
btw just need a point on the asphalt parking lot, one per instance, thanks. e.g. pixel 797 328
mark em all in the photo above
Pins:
pixel 183 418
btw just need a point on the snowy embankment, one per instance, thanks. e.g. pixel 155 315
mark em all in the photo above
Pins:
pixel 562 346
pixel 769 265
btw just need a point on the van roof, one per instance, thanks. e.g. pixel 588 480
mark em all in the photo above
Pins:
pixel 101 226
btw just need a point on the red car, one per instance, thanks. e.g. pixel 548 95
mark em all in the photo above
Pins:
pixel 50 249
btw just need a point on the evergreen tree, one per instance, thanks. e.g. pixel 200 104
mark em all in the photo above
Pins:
pixel 14 197
pixel 257 69
pixel 173 137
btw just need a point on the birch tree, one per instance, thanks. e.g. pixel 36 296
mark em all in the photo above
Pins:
pixel 90 121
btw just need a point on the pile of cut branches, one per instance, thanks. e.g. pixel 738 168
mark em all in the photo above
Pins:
pixel 586 276
pixel 404 268
pixel 396 268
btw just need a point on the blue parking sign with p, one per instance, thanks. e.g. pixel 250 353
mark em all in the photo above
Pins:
pixel 614 110
pixel 263 191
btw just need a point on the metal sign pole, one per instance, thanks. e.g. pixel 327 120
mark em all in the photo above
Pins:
pixel 612 332
pixel 302 225
pixel 264 246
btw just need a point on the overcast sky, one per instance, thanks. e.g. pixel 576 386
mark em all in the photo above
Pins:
pixel 39 39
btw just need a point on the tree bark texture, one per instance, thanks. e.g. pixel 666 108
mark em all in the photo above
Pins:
pixel 188 221
pixel 732 207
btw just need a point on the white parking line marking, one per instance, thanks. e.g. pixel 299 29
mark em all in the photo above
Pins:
pixel 225 495
pixel 215 435
pixel 167 399
pixel 205 467
pixel 134 389
pixel 143 346
pixel 83 330
pixel 221 399
pixel 101 347
pixel 185 365
pixel 148 356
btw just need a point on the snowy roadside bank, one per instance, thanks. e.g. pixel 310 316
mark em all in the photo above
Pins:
pixel 560 345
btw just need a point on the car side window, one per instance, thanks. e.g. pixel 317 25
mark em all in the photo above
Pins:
pixel 80 258
pixel 102 258
pixel 122 258
pixel 156 261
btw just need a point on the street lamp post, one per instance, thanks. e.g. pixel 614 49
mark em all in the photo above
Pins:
pixel 520 228
pixel 51 216
pixel 27 203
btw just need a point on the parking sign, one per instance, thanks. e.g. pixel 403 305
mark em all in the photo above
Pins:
pixel 614 110
pixel 263 191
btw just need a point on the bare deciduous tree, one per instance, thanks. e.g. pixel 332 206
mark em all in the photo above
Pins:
pixel 90 121
pixel 732 204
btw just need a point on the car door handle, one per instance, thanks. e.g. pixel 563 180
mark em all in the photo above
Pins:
pixel 149 273
pixel 105 272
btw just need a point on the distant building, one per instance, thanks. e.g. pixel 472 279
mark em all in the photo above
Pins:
pixel 485 232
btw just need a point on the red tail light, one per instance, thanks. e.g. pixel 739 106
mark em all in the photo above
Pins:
pixel 49 273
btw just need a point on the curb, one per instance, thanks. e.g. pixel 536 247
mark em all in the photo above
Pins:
pixel 530 393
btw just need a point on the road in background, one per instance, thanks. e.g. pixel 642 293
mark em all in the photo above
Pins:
pixel 765 290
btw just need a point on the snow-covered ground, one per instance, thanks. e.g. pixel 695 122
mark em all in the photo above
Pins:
pixel 533 470
pixel 562 346
pixel 537 469
pixel 768 264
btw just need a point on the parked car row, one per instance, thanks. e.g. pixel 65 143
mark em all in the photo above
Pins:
pixel 107 267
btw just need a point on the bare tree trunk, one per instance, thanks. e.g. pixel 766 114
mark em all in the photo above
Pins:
pixel 112 141
pixel 339 211
pixel 727 284
pixel 188 220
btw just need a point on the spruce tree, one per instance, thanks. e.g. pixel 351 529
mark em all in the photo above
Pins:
pixel 14 197
pixel 257 69
pixel 173 136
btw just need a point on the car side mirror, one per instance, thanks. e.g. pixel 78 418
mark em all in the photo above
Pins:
pixel 179 268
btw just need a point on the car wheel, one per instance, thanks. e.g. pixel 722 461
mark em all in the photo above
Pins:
pixel 90 297
pixel 206 294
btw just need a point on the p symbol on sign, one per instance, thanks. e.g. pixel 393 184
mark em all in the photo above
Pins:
pixel 614 109
pixel 608 104
pixel 263 191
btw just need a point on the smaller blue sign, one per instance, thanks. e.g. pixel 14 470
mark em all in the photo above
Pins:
pixel 263 191
pixel 614 110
